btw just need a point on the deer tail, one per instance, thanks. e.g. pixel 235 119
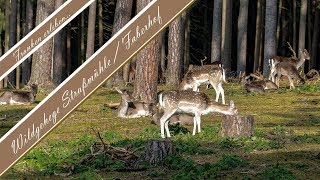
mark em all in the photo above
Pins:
pixel 161 104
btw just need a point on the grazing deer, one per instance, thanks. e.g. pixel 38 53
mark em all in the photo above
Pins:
pixel 189 102
pixel 289 70
pixel 198 75
pixel 19 97
pixel 296 63
pixel 132 109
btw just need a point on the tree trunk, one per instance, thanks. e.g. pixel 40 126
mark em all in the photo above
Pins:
pixel 26 65
pixel 145 87
pixel 294 39
pixel 100 22
pixel 242 35
pixel 68 39
pixel 279 20
pixel 1 53
pixel 187 42
pixel 175 52
pixel 13 35
pixel 226 35
pixel 237 126
pixel 18 29
pixel 258 36
pixel 59 52
pixel 302 27
pixel 270 34
pixel 309 32
pixel 216 31
pixel 122 17
pixel 7 35
pixel 157 150
pixel 163 58
pixel 42 58
pixel 91 29
pixel 315 40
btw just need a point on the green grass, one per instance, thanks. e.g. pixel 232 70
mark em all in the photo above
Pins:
pixel 286 140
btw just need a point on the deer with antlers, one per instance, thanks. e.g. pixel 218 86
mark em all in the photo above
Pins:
pixel 189 102
pixel 297 63
pixel 206 74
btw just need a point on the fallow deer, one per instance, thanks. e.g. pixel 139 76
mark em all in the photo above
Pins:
pixel 296 63
pixel 182 119
pixel 129 108
pixel 19 97
pixel 212 74
pixel 256 86
pixel 289 70
pixel 189 102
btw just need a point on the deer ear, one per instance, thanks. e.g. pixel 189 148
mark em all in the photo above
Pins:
pixel 231 104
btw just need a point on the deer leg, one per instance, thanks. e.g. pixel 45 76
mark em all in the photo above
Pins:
pixel 277 80
pixel 194 126
pixel 291 83
pixel 163 120
pixel 166 125
pixel 197 116
pixel 217 91
pixel 221 90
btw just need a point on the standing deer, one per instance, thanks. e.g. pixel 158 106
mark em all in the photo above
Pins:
pixel 198 75
pixel 296 63
pixel 289 70
pixel 132 109
pixel 19 97
pixel 189 102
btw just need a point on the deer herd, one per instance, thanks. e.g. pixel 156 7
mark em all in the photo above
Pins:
pixel 184 105
pixel 187 104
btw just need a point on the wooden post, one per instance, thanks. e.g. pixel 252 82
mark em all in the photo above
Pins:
pixel 236 126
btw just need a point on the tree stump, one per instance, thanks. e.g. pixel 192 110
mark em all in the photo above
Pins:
pixel 157 150
pixel 236 126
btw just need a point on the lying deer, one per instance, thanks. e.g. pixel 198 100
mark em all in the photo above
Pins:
pixel 212 74
pixel 182 119
pixel 289 70
pixel 296 63
pixel 129 108
pixel 19 97
pixel 256 86
pixel 189 102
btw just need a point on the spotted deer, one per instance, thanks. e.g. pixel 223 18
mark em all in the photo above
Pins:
pixel 206 74
pixel 189 102
pixel 19 97
pixel 289 70
pixel 129 108
pixel 256 86
pixel 182 119
pixel 296 63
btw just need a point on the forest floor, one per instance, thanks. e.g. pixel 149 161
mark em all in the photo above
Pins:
pixel 286 144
